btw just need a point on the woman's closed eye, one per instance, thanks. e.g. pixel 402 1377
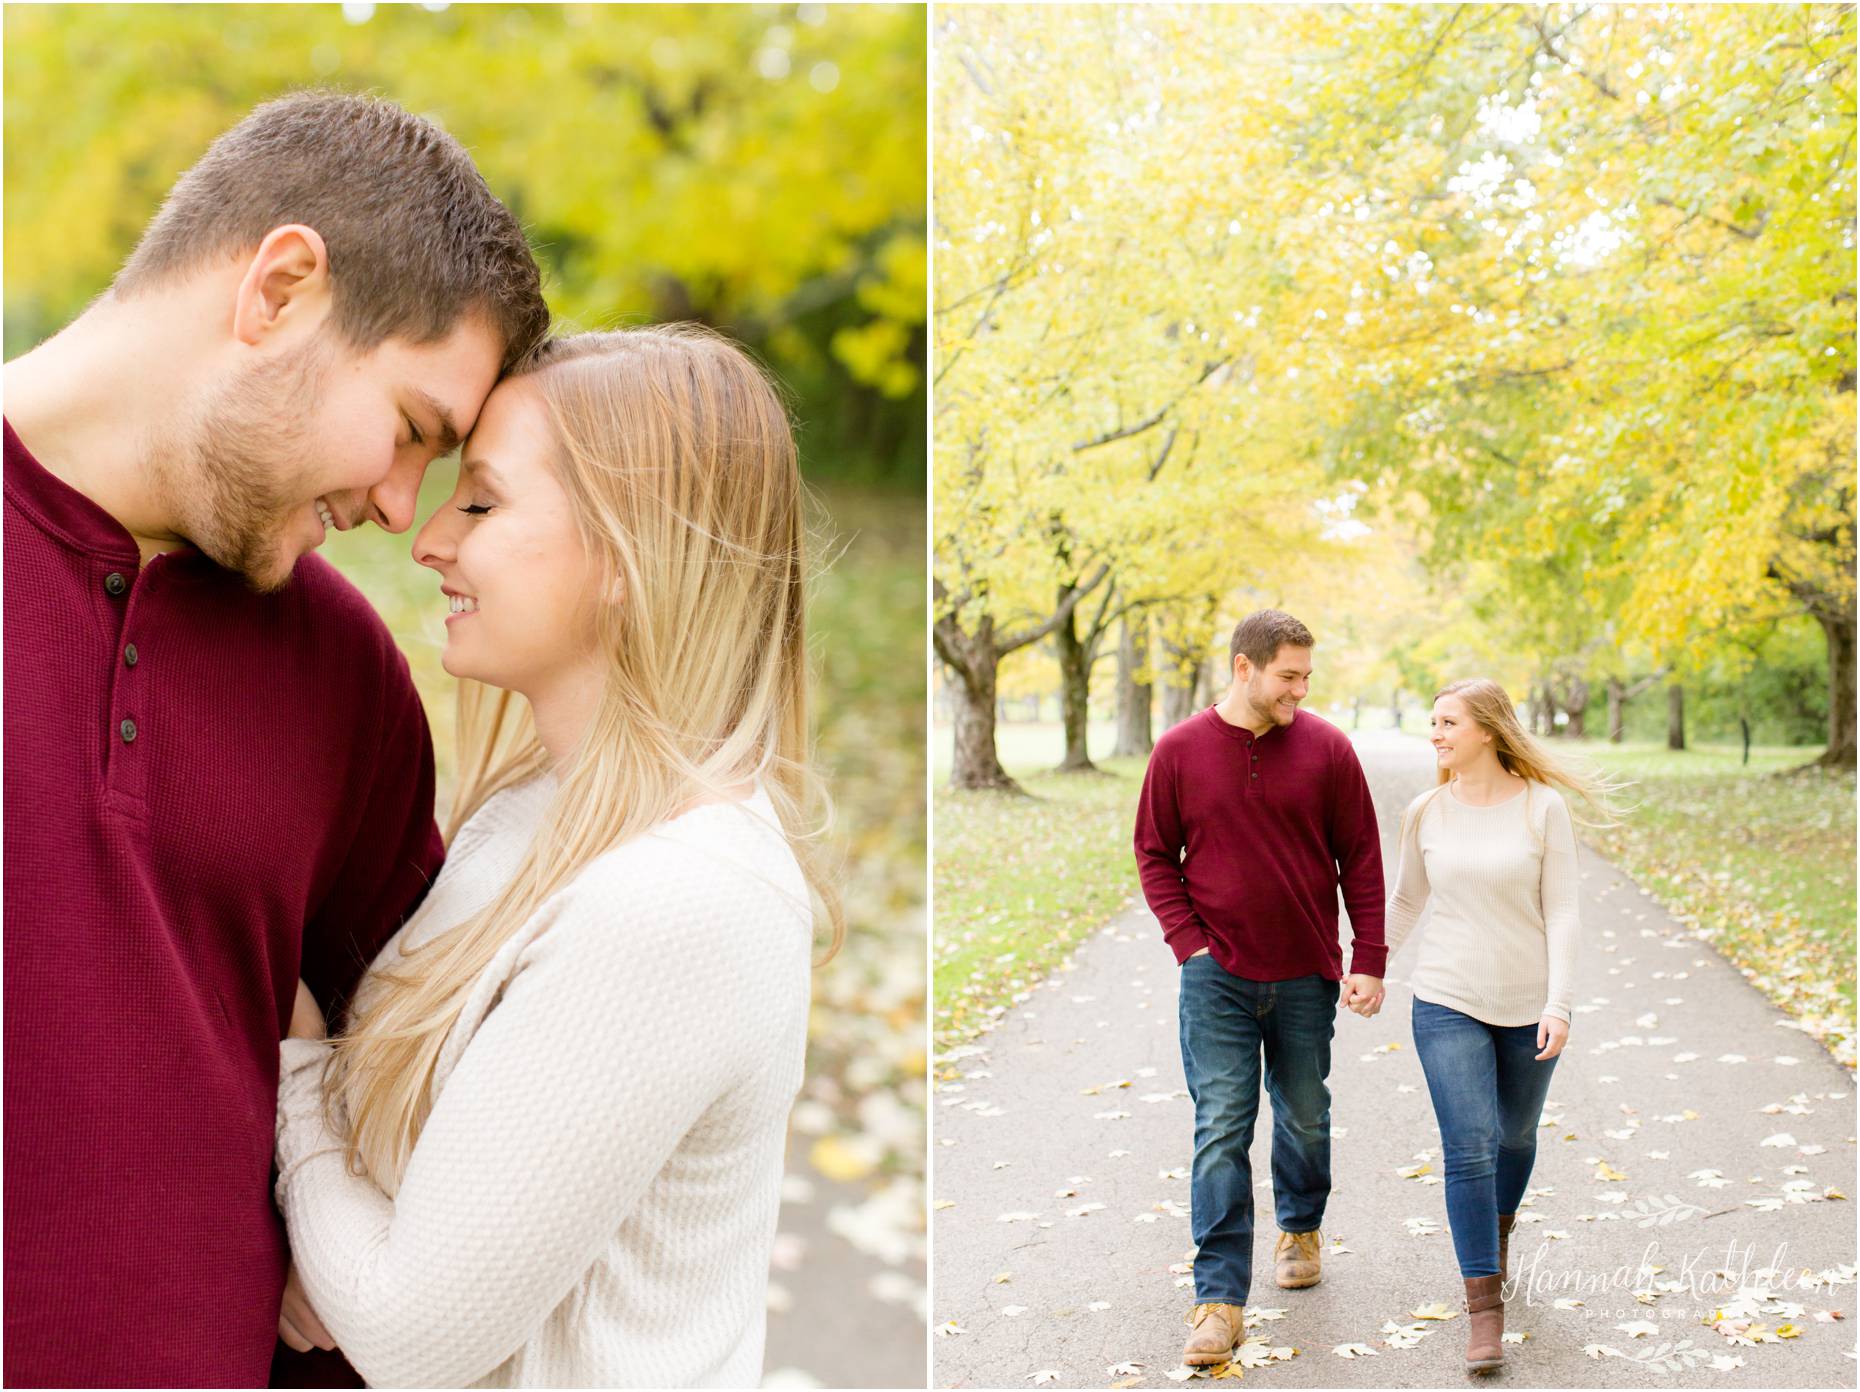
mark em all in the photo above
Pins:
pixel 476 509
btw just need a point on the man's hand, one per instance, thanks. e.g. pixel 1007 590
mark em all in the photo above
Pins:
pixel 306 1023
pixel 1363 994
pixel 1552 1034
pixel 298 1325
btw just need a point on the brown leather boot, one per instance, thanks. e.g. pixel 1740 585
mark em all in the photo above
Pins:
pixel 1505 1223
pixel 1298 1260
pixel 1485 1323
pixel 1217 1329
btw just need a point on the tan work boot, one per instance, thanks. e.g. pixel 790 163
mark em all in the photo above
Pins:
pixel 1297 1260
pixel 1485 1323
pixel 1216 1330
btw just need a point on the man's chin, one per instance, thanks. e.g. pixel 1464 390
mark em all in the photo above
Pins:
pixel 263 571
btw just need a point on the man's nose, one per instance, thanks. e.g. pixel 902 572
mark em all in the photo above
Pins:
pixel 393 501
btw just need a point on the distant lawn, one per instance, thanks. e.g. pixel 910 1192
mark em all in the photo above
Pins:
pixel 1759 859
pixel 1020 882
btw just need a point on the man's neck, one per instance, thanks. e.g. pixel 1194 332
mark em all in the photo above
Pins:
pixel 1236 710
pixel 83 403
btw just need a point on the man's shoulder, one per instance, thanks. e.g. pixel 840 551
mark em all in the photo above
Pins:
pixel 1322 733
pixel 1182 735
pixel 322 596
pixel 327 610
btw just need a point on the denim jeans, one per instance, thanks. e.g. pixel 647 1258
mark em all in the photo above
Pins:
pixel 1227 1024
pixel 1488 1089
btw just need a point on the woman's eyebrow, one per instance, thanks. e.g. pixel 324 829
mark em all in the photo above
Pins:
pixel 480 469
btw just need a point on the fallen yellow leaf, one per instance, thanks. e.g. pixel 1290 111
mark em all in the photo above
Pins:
pixel 837 1160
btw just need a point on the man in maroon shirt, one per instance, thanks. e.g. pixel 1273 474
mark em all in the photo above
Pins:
pixel 218 774
pixel 1253 813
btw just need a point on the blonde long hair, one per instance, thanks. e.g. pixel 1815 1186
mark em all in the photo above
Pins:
pixel 679 461
pixel 1519 753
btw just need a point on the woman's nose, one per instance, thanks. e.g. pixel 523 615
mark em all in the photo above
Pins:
pixel 432 544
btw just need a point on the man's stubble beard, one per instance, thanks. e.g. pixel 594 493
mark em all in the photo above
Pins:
pixel 1268 712
pixel 234 467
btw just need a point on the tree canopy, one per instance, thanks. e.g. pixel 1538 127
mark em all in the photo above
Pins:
pixel 1563 295
pixel 761 168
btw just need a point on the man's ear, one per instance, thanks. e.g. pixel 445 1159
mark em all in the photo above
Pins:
pixel 286 284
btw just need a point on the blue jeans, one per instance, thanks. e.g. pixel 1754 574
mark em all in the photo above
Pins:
pixel 1488 1089
pixel 1227 1024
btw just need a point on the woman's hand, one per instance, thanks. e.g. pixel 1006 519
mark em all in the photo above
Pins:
pixel 1552 1034
pixel 298 1325
pixel 306 1023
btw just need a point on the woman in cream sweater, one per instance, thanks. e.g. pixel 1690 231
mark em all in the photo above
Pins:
pixel 545 1148
pixel 1493 846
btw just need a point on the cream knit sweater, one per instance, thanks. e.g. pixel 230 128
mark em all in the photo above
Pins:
pixel 592 1202
pixel 1501 945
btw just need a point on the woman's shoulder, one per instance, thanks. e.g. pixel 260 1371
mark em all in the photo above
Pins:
pixel 704 872
pixel 515 811
pixel 1421 800
pixel 1545 799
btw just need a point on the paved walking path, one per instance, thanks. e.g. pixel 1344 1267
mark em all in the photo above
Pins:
pixel 1063 1244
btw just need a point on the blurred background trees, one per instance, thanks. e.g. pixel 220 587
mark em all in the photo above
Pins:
pixel 760 168
pixel 1555 301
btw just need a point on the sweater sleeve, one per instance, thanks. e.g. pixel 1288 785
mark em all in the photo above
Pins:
pixel 1411 887
pixel 1356 846
pixel 1562 924
pixel 636 1010
pixel 1159 846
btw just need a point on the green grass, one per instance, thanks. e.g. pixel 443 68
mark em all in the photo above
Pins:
pixel 1759 859
pixel 1020 881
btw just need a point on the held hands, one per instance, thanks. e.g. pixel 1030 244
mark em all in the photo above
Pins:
pixel 306 1020
pixel 1552 1034
pixel 298 1325
pixel 1363 994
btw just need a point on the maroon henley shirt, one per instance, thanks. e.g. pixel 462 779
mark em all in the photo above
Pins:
pixel 208 793
pixel 1243 841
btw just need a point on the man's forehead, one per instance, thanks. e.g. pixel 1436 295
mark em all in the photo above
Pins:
pixel 450 379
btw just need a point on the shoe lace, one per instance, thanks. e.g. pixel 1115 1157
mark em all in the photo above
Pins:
pixel 1305 1243
pixel 1202 1311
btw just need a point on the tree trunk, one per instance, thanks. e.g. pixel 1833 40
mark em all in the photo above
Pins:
pixel 1839 629
pixel 1578 704
pixel 976 765
pixel 1617 711
pixel 1134 735
pixel 1675 716
pixel 1743 726
pixel 1181 681
pixel 1074 696
pixel 974 659
pixel 1356 713
pixel 1395 707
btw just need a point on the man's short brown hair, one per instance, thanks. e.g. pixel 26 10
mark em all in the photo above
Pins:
pixel 416 239
pixel 1261 635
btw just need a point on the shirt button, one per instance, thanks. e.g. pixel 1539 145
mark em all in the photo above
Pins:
pixel 114 583
pixel 129 655
pixel 128 727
